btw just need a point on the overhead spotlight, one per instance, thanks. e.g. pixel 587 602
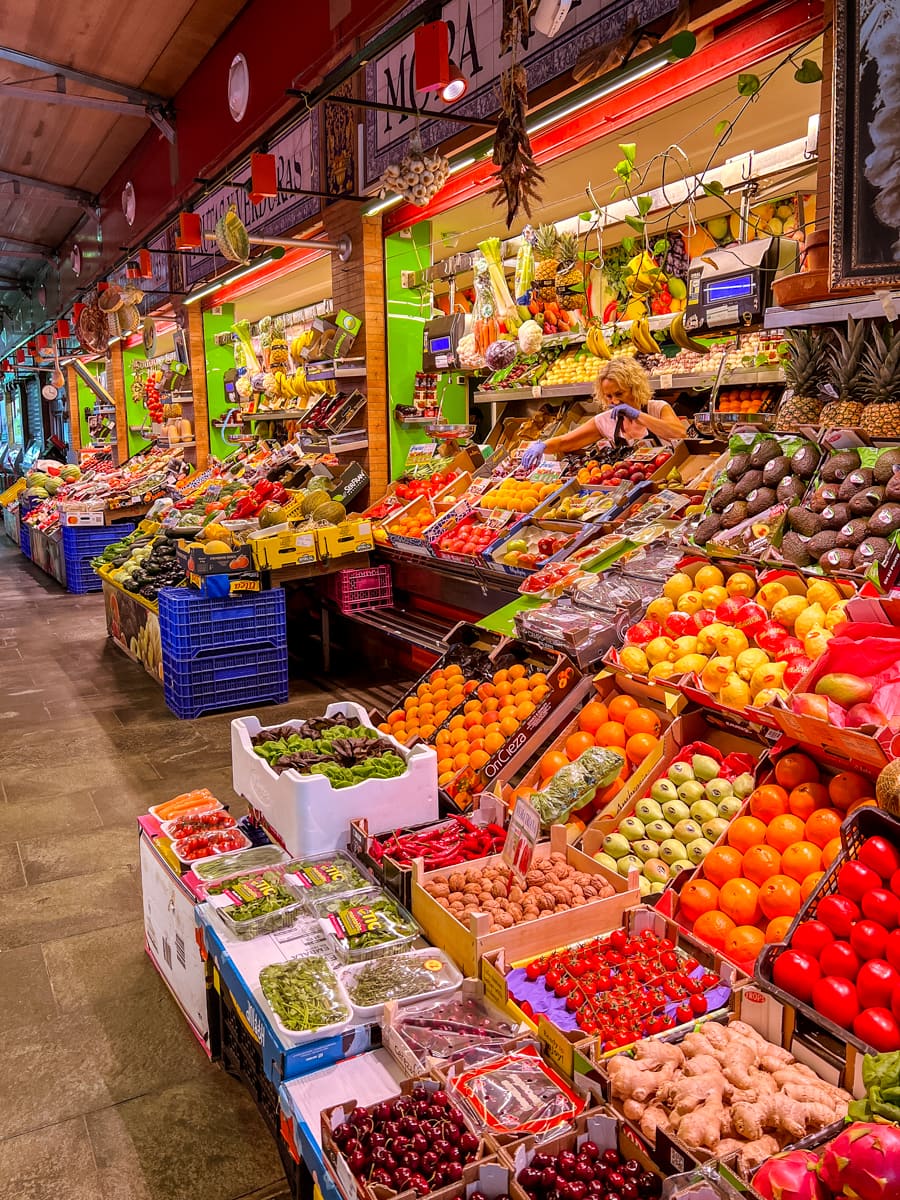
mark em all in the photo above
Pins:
pixel 457 87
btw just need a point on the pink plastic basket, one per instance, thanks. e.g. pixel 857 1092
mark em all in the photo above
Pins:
pixel 358 588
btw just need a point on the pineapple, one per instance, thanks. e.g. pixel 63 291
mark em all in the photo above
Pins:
pixel 803 370
pixel 546 249
pixel 569 274
pixel 880 385
pixel 845 374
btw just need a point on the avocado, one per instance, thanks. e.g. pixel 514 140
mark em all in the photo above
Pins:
pixel 775 470
pixel 822 542
pixel 734 514
pixel 804 461
pixel 748 483
pixel 763 452
pixel 722 497
pixel 807 523
pixel 737 466
pixel 707 530
pixel 837 560
pixel 887 465
pixel 759 500
pixel 791 488
pixel 836 515
pixel 892 488
pixel 825 494
pixel 862 477
pixel 885 520
pixel 794 549
pixel 839 466
pixel 873 549
pixel 853 532
pixel 864 503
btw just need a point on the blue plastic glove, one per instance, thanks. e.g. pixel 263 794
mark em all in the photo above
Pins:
pixel 626 410
pixel 533 455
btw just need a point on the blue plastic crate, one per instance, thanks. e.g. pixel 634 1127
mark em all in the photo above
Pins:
pixel 192 626
pixel 195 686
pixel 25 540
pixel 81 543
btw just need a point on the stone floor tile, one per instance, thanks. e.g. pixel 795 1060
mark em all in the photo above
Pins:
pixel 90 970
pixel 67 906
pixel 62 855
pixel 26 992
pixel 43 817
pixel 53 1163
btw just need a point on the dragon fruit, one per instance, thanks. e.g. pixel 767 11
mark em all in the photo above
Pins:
pixel 790 1176
pixel 863 1162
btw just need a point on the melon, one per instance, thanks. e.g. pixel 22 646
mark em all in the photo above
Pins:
pixel 52 486
pixel 332 512
pixel 312 501
pixel 318 483
pixel 37 493
pixel 217 546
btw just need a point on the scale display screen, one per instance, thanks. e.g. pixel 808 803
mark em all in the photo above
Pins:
pixel 439 345
pixel 730 288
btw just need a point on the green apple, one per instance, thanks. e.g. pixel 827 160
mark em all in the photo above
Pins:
pixel 517 544
pixel 718 789
pixel 698 849
pixel 703 810
pixel 729 807
pixel 656 871
pixel 658 830
pixel 687 831
pixel 743 785
pixel 616 845
pixel 630 862
pixel 632 828
pixel 680 773
pixel 663 790
pixel 645 849
pixel 713 830
pixel 672 851
pixel 675 810
pixel 690 792
pixel 648 810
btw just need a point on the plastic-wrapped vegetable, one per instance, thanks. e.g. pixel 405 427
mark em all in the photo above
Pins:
pixel 517 1093
pixel 524 266
pixel 304 994
pixel 500 354
pixel 573 786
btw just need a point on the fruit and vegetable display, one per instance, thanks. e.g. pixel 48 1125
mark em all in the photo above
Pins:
pixel 459 1028
pixel 746 399
pixel 345 754
pixel 584 1171
pixel 516 495
pixel 399 977
pixel 721 1090
pixel 515 1094
pixel 417 1142
pixel 227 865
pixel 620 987
pixel 142 565
pixel 366 925
pixel 531 546
pixel 304 994
pixel 775 850
pixel 469 537
pixel 863 1160
pixel 687 810
pixel 631 470
pixel 456 840
pixel 256 902
pixel 551 885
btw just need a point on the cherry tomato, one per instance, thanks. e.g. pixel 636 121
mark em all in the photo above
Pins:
pixel 797 973
pixel 836 999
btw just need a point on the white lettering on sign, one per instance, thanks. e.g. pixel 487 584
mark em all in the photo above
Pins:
pixel 297 154
pixel 475 27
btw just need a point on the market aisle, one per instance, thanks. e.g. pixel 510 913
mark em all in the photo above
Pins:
pixel 103 1091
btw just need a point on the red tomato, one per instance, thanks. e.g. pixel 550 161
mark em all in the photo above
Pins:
pixel 895 1003
pixel 835 998
pixel 895 883
pixel 878 1028
pixel 840 959
pixel 880 856
pixel 838 913
pixel 854 880
pixel 892 949
pixel 797 973
pixel 882 906
pixel 868 939
pixel 875 983
pixel 811 937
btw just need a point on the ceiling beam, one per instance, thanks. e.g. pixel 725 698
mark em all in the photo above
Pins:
pixel 26 253
pixel 22 91
pixel 135 95
pixel 41 246
pixel 81 198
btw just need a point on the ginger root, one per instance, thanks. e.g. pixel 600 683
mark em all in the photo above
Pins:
pixel 631 1081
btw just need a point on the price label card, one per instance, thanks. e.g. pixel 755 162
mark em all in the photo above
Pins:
pixel 666 381
pixel 521 837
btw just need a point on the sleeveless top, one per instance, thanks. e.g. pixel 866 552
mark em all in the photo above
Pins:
pixel 610 428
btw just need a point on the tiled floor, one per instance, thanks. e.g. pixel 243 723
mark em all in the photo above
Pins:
pixel 104 1094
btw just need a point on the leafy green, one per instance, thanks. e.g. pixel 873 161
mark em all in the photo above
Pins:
pixel 808 72
pixel 748 85
pixel 881 1079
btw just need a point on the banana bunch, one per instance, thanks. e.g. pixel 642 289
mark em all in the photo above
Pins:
pixel 299 344
pixel 681 338
pixel 596 342
pixel 643 274
pixel 642 338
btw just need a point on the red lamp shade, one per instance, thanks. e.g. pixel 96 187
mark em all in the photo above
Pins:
pixel 190 232
pixel 432 50
pixel 263 177
pixel 77 310
pixel 62 329
pixel 20 355
pixel 145 262
pixel 43 341
pixel 132 269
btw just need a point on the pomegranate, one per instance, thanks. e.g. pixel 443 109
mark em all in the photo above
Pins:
pixel 790 1176
pixel 864 1161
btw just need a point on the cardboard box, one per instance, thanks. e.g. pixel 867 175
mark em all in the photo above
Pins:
pixel 281 546
pixel 437 506
pixel 467 944
pixel 350 537
pixel 194 560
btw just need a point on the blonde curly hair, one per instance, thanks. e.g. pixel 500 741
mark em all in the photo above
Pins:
pixel 629 375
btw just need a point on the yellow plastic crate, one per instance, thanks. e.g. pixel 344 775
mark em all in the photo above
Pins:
pixel 350 537
pixel 15 489
pixel 284 549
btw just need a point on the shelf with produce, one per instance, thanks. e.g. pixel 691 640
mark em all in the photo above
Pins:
pixel 834 309
pixel 341 369
pixel 277 414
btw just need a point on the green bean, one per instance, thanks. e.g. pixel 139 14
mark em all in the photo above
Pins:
pixel 303 993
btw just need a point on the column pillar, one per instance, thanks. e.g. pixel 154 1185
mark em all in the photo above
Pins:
pixel 74 411
pixel 197 357
pixel 117 379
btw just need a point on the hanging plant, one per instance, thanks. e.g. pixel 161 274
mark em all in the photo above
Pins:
pixel 417 176
pixel 517 177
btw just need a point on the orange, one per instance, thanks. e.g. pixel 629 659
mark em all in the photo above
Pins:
pixel 777 928
pixel 744 832
pixel 501 676
pixel 472 706
pixel 620 707
pixel 806 798
pixel 783 831
pixel 793 769
pixel 738 900
pixel 866 802
pixel 823 825
pixel 639 745
pixel 508 726
pixel 744 942
pixel 780 896
pixel 460 762
pixel 593 715
pixel 808 884
pixel 517 672
pixel 830 851
pixel 577 743
pixel 552 762
pixel 519 686
pixel 713 927
pixel 761 862
pixel 523 710
pixel 493 742
pixel 478 759
pixel 641 720
pixel 697 897
pixel 721 864
pixel 602 798
pixel 768 802
pixel 847 786
pixel 800 860
pixel 610 733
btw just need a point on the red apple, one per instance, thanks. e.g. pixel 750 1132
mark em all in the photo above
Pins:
pixel 772 637
pixel 796 670
pixel 751 618
pixel 643 632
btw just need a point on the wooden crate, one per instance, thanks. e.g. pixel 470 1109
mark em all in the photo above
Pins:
pixel 467 944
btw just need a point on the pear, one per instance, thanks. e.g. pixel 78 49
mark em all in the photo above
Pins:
pixel 679 773
pixel 687 831
pixel 730 807
pixel 705 767
pixel 644 885
pixel 605 860
pixel 703 810
pixel 716 790
pixel 689 792
pixel 616 845
pixel 657 830
pixel 656 871
pixel 743 785
pixel 629 863
pixel 698 849
pixel 677 810
pixel 681 864
pixel 672 851
pixel 645 849
pixel 713 830
pixel 811 616
pixel 632 828
pixel 748 660
pixel 787 610
pixel 648 809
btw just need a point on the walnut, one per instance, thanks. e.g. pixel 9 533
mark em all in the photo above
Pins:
pixel 457 881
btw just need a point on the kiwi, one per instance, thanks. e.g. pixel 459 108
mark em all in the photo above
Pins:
pixel 775 470
pixel 873 549
pixel 734 514
pixel 837 560
pixel 737 466
pixel 864 503
pixel 886 465
pixel 722 497
pixel 760 500
pixel 853 532
pixel 822 542
pixel 791 488
pixel 839 466
pixel 836 515
pixel 748 483
pixel 892 488
pixel 764 452
pixel 707 530
pixel 793 547
pixel 825 494
pixel 804 461
pixel 885 520
pixel 807 523
pixel 863 477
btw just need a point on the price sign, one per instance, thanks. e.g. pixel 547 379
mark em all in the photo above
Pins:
pixel 521 837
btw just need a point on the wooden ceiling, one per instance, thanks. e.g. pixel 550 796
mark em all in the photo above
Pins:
pixel 154 47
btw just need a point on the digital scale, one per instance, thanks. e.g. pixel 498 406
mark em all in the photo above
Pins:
pixel 732 287
pixel 440 342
